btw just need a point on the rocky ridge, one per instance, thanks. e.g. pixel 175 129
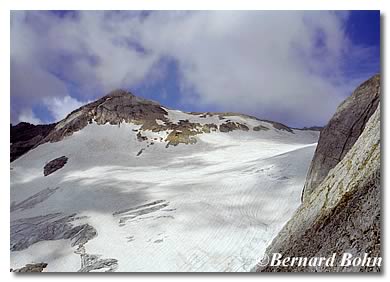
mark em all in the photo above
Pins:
pixel 121 106
pixel 25 136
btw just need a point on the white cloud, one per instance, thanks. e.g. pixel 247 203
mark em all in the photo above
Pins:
pixel 286 66
pixel 61 107
pixel 265 63
pixel 27 115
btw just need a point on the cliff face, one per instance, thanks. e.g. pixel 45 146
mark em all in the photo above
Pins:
pixel 342 131
pixel 340 212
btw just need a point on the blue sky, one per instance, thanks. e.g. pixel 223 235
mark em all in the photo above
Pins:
pixel 291 67
pixel 363 28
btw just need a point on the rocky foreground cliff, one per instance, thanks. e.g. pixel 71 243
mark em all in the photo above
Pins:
pixel 341 207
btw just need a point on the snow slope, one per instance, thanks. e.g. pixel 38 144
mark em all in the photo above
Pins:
pixel 210 206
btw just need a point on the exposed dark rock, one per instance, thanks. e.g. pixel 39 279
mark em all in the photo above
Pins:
pixel 342 131
pixel 25 131
pixel 35 267
pixel 54 165
pixel 260 127
pixel 141 138
pixel 26 136
pixel 184 136
pixel 140 152
pixel 157 202
pixel 80 234
pixel 223 115
pixel 133 213
pixel 230 126
pixel 93 262
pixel 28 231
pixel 184 131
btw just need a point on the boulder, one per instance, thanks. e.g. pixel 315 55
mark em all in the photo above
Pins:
pixel 54 165
pixel 33 267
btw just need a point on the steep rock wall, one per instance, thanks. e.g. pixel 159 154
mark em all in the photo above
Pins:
pixel 342 131
pixel 342 214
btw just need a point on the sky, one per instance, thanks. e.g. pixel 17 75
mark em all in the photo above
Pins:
pixel 293 67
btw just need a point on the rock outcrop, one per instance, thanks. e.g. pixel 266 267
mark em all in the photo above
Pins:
pixel 260 127
pixel 54 165
pixel 28 231
pixel 341 214
pixel 230 126
pixel 25 136
pixel 32 267
pixel 90 263
pixel 342 131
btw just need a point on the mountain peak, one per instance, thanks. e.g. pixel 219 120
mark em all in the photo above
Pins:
pixel 116 107
pixel 119 93
pixel 124 97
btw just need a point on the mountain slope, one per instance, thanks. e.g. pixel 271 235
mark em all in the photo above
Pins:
pixel 134 186
pixel 25 136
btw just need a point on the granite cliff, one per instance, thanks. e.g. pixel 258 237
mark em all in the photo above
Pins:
pixel 342 131
pixel 340 212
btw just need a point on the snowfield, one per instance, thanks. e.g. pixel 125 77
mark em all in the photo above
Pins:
pixel 211 206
